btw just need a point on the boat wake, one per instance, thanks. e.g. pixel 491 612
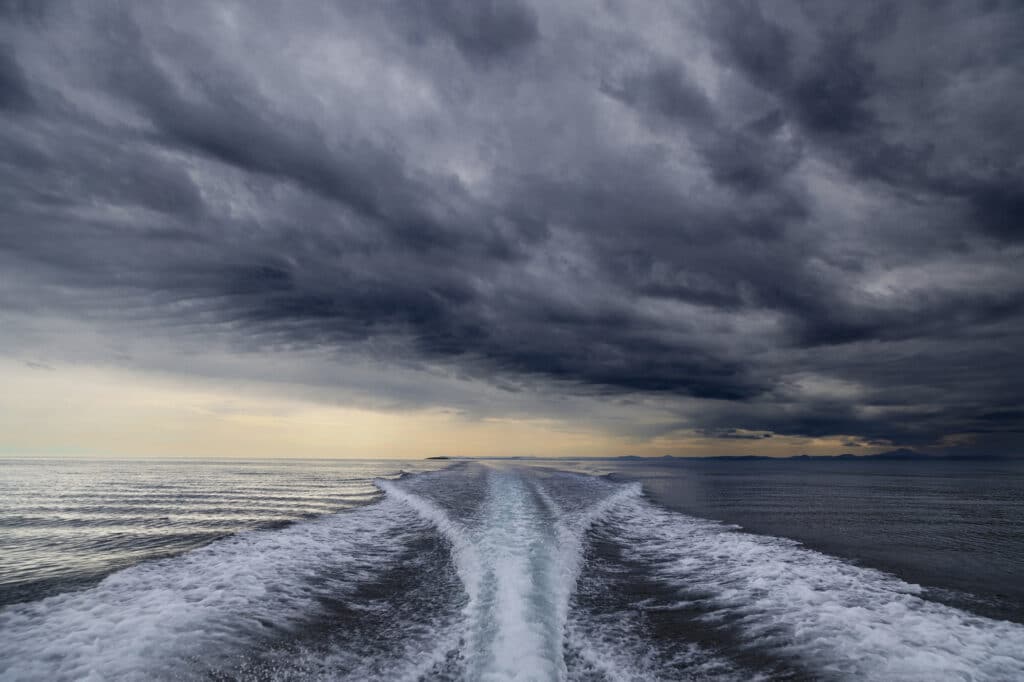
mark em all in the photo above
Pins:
pixel 502 573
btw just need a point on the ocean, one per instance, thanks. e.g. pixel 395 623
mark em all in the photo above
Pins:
pixel 511 570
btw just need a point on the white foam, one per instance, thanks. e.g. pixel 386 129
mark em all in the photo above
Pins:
pixel 518 556
pixel 839 619
pixel 570 529
pixel 467 562
pixel 614 647
pixel 463 552
pixel 158 618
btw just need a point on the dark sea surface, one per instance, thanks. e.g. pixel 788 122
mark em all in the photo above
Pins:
pixel 506 570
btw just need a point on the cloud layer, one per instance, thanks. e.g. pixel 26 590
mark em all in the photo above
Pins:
pixel 804 223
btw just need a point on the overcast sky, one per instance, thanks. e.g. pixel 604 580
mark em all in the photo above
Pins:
pixel 476 227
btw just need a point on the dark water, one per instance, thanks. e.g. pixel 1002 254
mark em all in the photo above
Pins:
pixel 502 571
pixel 955 526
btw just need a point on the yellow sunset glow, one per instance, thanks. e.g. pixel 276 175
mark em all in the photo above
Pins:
pixel 86 410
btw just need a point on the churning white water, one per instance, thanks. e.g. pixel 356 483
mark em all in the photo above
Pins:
pixel 502 573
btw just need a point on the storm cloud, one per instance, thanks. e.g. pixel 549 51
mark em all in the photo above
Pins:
pixel 801 219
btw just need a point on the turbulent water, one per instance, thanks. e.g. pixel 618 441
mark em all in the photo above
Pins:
pixel 467 572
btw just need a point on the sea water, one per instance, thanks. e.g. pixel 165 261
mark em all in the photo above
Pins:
pixel 500 570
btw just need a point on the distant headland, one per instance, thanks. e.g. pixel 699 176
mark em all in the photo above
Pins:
pixel 898 455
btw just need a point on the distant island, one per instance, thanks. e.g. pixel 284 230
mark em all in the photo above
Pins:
pixel 900 454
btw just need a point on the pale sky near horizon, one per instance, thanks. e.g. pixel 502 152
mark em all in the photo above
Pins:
pixel 106 412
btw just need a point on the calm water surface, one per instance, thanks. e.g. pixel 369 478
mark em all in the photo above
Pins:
pixel 68 523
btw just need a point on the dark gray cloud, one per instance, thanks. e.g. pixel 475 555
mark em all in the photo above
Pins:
pixel 808 223
pixel 732 434
pixel 483 31
pixel 14 90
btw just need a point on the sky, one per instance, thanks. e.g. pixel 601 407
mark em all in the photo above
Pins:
pixel 452 227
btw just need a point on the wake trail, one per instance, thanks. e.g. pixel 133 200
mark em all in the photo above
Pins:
pixel 838 619
pixel 519 555
pixel 503 574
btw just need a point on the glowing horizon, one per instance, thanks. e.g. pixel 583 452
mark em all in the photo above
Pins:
pixel 123 414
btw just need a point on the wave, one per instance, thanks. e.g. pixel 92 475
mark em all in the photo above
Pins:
pixel 837 619
pixel 158 618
